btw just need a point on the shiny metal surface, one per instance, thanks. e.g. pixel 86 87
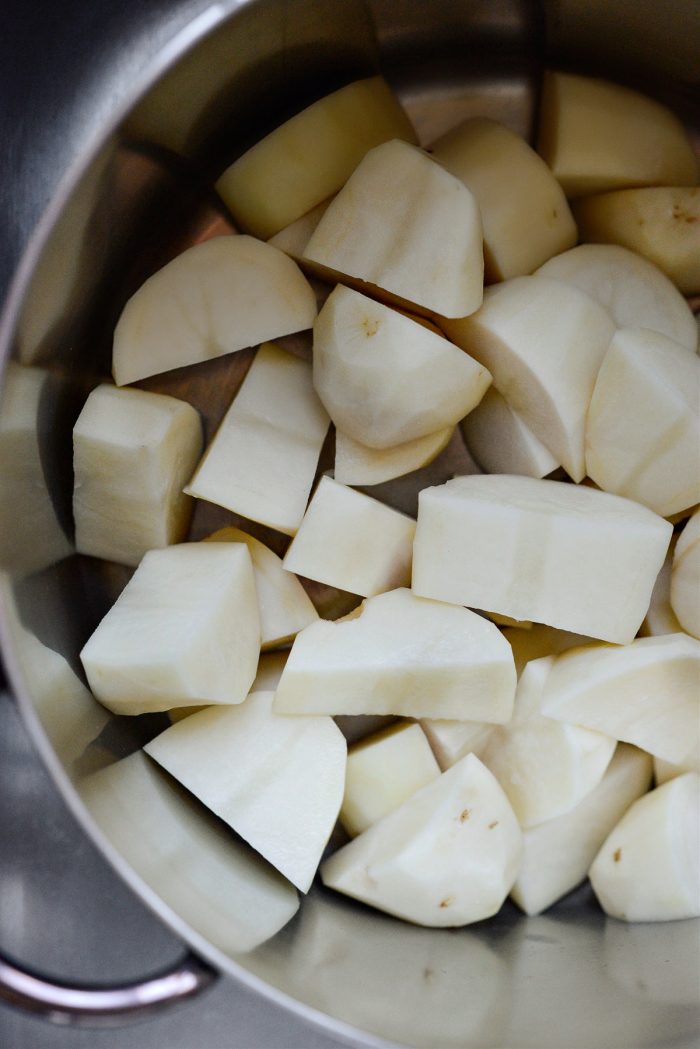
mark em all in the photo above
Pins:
pixel 571 978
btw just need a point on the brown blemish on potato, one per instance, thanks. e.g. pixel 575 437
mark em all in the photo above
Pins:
pixel 371 327
pixel 446 902
pixel 493 824
pixel 617 855
pixel 464 815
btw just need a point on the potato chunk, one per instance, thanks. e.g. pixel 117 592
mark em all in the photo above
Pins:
pixel 501 442
pixel 356 463
pixel 685 577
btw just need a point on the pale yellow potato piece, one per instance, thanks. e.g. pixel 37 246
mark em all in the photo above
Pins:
pixel 661 223
pixel 270 667
pixel 356 463
pixel 217 297
pixel 383 771
pixel 437 264
pixel 452 740
pixel 501 441
pixel 660 617
pixel 132 453
pixel 598 136
pixel 685 577
pixel 311 156
pixel 540 641
pixel 285 607
pixel 524 212
pixel 292 240
pixel 666 770
pixel 353 542
pixel 263 459
pixel 643 423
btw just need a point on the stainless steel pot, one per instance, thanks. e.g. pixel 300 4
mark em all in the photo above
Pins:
pixel 187 88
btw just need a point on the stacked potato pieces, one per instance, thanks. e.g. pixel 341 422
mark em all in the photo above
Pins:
pixel 521 662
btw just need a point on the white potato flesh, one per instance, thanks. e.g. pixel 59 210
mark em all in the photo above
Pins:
pixel 217 297
pixel 556 553
pixel 353 542
pixel 666 770
pixel 524 212
pixel 653 455
pixel 630 288
pixel 540 641
pixel 263 459
pixel 382 772
pixel 685 577
pixel 356 463
pixel 543 343
pixel 270 667
pixel 658 222
pixel 437 264
pixel 598 136
pixel 401 655
pixel 501 441
pixel 278 781
pixel 184 631
pixel 648 869
pixel 558 853
pixel 646 693
pixel 311 156
pixel 660 617
pixel 545 767
pixel 452 740
pixel 132 453
pixel 447 857
pixel 284 606
pixel 292 240
pixel 383 377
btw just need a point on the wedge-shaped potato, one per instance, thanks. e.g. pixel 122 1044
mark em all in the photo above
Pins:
pixel 270 667
pixel 284 606
pixel 556 553
pixel 292 240
pixel 452 740
pixel 311 156
pixel 356 463
pixel 448 856
pixel 659 222
pixel 541 641
pixel 384 378
pixel 501 442
pixel 402 655
pixel 545 767
pixel 643 423
pixel 184 631
pixel 660 617
pixel 219 296
pixel 263 458
pixel 278 781
pixel 649 866
pixel 383 771
pixel 632 289
pixel 543 342
pixel 685 577
pixel 353 542
pixel 596 136
pixel 437 262
pixel 524 212
pixel 132 453
pixel 646 693
pixel 558 853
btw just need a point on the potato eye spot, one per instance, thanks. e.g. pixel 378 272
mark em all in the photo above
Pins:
pixel 446 902
pixel 464 815
pixel 493 824
pixel 617 855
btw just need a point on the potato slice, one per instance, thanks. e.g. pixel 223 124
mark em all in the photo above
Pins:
pixel 437 263
pixel 501 441
pixel 660 222
pixel 402 655
pixel 132 453
pixel 452 740
pixel 598 136
pixel 383 771
pixel 356 463
pixel 545 767
pixel 648 869
pixel 219 296
pixel 353 542
pixel 284 606
pixel 568 556
pixel 263 458
pixel 650 455
pixel 646 693
pixel 385 379
pixel 311 156
pixel 184 631
pixel 558 853
pixel 632 289
pixel 448 856
pixel 277 781
pixel 685 577
pixel 543 342
pixel 524 212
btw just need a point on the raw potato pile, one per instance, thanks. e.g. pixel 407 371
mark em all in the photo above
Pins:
pixel 527 654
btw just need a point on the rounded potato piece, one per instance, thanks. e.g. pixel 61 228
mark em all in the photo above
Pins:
pixel 685 577
pixel 661 223
pixel 356 463
pixel 501 442
pixel 598 136
pixel 524 212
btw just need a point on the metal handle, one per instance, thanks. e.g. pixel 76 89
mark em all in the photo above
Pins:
pixel 93 1006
